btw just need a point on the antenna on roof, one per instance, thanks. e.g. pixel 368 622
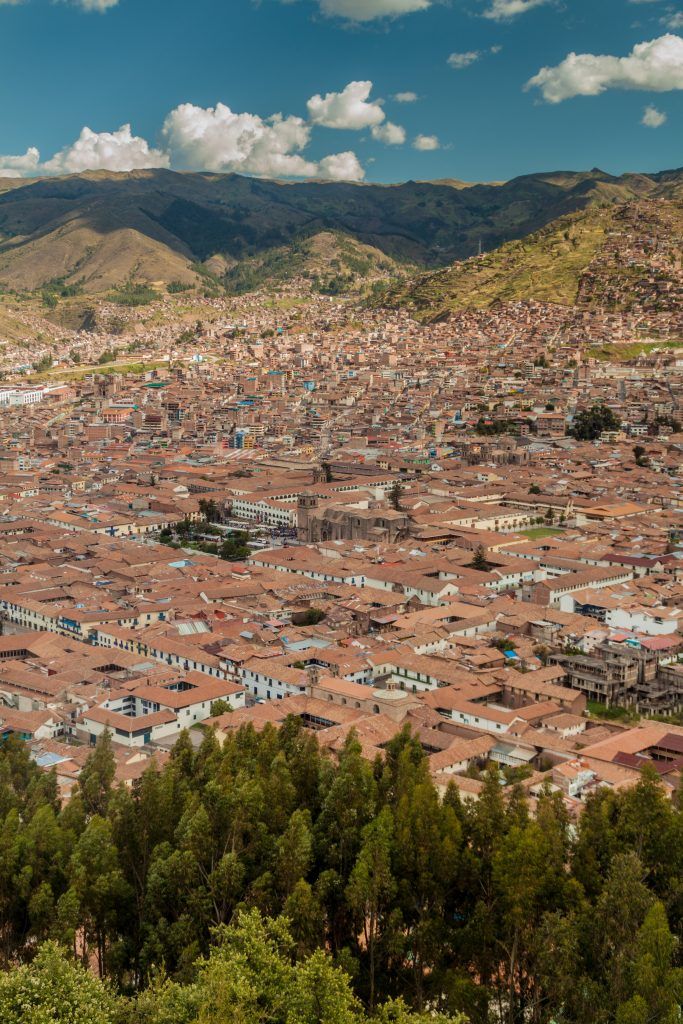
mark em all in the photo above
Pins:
pixel 479 247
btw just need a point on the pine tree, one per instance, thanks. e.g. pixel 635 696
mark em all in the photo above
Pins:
pixel 480 561
pixel 394 496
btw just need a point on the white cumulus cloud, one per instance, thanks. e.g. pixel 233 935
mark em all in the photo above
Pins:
pixel 426 143
pixel 653 118
pixel 673 19
pixel 351 108
pixel 371 10
pixel 389 133
pixel 502 10
pixel 222 140
pixel 110 151
pixel 218 139
pixel 341 167
pixel 20 166
pixel 406 97
pixel 656 66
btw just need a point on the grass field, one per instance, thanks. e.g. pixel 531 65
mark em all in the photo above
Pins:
pixel 614 714
pixel 537 532
pixel 77 373
pixel 622 353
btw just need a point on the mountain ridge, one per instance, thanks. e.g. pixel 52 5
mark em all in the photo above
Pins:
pixel 99 229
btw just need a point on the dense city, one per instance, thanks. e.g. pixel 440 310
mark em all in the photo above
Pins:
pixel 305 507
pixel 341 650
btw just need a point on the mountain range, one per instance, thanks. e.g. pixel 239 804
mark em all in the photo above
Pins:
pixel 98 230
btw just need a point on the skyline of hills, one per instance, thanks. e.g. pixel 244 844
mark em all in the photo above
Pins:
pixel 97 230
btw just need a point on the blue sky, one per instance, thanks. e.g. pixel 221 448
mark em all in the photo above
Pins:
pixel 163 66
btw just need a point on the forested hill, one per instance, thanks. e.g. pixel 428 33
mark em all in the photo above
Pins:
pixel 263 883
pixel 98 229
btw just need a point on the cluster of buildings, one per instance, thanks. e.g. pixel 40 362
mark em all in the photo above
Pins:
pixel 423 542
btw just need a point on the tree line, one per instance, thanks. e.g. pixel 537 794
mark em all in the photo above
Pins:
pixel 263 882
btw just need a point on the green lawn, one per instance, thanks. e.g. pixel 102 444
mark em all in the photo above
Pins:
pixel 622 352
pixel 613 714
pixel 537 532
pixel 78 372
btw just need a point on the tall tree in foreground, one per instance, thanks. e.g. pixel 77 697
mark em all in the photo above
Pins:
pixel 372 887
pixel 656 985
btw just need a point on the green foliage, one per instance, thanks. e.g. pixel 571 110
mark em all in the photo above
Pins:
pixel 219 707
pixel 186 337
pixel 54 990
pixel 44 363
pixel 90 320
pixel 426 224
pixel 480 560
pixel 394 495
pixel 640 455
pixel 503 643
pixel 210 510
pixel 491 428
pixel 336 284
pixel 589 424
pixel 133 294
pixel 673 425
pixel 546 265
pixel 58 288
pixel 263 882
pixel 331 260
pixel 312 617
pixel 235 548
pixel 97 776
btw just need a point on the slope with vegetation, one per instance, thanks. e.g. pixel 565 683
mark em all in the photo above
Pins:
pixel 263 882
pixel 334 263
pixel 102 228
pixel 546 266
pixel 612 257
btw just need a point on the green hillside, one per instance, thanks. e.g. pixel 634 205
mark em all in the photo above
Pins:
pixel 609 256
pixel 334 264
pixel 99 229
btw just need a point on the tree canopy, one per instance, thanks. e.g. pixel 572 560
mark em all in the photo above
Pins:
pixel 589 424
pixel 265 883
